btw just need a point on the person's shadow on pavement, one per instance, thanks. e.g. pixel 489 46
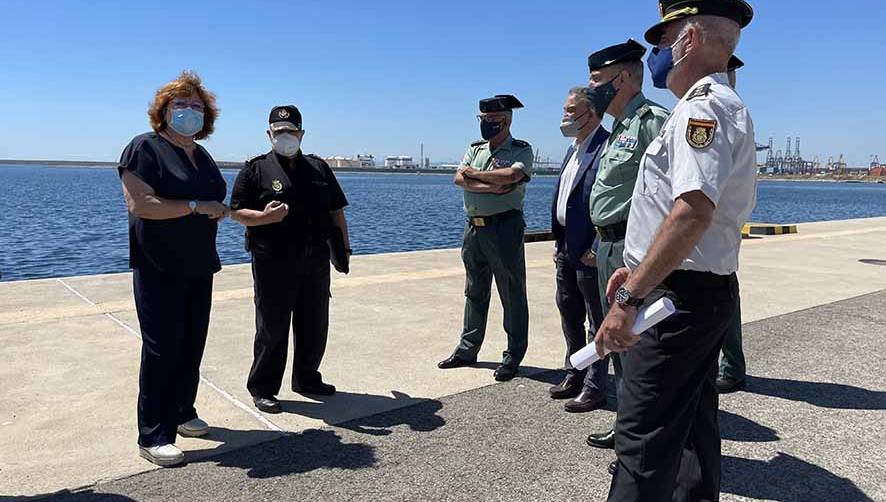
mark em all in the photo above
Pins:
pixel 738 428
pixel 825 395
pixel 369 413
pixel 297 453
pixel 786 478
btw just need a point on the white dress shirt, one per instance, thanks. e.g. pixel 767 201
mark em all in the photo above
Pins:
pixel 576 162
pixel 706 144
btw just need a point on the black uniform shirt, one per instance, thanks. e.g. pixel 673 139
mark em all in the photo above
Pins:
pixel 181 246
pixel 305 183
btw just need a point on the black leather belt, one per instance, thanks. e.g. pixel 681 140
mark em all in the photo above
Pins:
pixel 613 233
pixel 698 280
pixel 485 221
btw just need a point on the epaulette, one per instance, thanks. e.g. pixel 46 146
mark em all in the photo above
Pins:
pixel 318 158
pixel 519 143
pixel 643 110
pixel 257 157
pixel 480 142
pixel 699 92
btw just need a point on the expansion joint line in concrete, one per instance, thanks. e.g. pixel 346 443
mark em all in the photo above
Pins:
pixel 224 394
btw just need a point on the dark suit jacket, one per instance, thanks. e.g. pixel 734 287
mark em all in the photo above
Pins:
pixel 579 233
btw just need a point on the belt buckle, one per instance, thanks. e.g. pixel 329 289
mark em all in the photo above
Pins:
pixel 478 222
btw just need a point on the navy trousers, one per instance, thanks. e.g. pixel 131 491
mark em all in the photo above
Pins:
pixel 173 314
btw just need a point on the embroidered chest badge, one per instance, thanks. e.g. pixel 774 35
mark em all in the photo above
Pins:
pixel 277 186
pixel 625 142
pixel 700 133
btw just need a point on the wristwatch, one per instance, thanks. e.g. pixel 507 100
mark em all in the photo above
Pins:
pixel 624 298
pixel 193 205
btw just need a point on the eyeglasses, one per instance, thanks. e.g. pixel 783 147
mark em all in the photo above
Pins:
pixel 198 107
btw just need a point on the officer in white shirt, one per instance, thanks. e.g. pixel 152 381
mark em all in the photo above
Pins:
pixel 695 190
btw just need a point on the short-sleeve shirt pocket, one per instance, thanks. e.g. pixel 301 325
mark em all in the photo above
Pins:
pixel 652 167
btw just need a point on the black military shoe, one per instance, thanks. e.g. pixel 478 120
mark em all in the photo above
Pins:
pixel 605 440
pixel 455 361
pixel 568 388
pixel 318 389
pixel 267 404
pixel 728 385
pixel 504 373
pixel 613 466
pixel 586 401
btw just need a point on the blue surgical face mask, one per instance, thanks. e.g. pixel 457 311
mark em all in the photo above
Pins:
pixel 186 121
pixel 489 130
pixel 661 62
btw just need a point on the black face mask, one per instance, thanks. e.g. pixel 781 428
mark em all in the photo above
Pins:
pixel 604 94
pixel 489 130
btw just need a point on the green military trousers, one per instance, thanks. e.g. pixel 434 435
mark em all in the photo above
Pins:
pixel 495 251
pixel 732 365
pixel 610 257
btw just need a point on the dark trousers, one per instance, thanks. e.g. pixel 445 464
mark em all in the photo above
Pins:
pixel 173 314
pixel 578 299
pixel 732 364
pixel 667 436
pixel 296 291
pixel 495 251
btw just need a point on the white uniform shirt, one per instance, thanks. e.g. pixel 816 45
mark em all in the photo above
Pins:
pixel 578 160
pixel 706 144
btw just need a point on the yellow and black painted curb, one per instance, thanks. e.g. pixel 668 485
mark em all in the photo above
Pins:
pixel 767 229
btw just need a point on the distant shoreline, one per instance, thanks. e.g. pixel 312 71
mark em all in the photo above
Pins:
pixel 235 166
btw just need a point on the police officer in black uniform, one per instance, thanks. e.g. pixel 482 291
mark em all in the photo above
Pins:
pixel 291 204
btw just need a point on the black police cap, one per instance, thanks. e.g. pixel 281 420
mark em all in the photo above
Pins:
pixel 734 63
pixel 499 103
pixel 671 10
pixel 285 117
pixel 620 53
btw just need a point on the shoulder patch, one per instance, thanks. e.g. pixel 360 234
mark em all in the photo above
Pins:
pixel 700 133
pixel 699 92
pixel 519 143
pixel 257 157
pixel 479 142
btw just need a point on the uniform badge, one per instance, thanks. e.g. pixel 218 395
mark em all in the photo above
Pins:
pixel 277 185
pixel 283 114
pixel 700 133
pixel 699 92
pixel 500 164
pixel 625 142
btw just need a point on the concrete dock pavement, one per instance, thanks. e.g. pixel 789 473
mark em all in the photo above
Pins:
pixel 71 352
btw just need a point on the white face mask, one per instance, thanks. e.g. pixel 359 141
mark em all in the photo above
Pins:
pixel 286 145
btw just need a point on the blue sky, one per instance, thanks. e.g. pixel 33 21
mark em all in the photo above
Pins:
pixel 381 77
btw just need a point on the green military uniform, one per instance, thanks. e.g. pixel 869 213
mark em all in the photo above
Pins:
pixel 493 248
pixel 616 176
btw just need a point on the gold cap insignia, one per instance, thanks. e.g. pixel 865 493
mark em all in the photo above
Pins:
pixel 700 133
pixel 283 114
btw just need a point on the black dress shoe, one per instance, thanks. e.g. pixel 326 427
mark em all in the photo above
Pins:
pixel 605 440
pixel 728 385
pixel 586 401
pixel 568 388
pixel 267 404
pixel 455 361
pixel 504 373
pixel 613 466
pixel 318 389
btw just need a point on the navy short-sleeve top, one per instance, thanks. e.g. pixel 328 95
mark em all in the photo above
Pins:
pixel 182 246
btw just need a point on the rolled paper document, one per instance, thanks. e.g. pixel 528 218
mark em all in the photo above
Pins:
pixel 646 318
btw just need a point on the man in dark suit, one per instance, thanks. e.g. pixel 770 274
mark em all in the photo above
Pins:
pixel 578 296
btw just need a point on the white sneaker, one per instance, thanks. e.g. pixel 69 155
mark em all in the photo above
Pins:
pixel 193 428
pixel 166 455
